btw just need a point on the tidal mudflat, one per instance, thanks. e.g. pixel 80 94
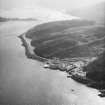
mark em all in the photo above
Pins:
pixel 25 81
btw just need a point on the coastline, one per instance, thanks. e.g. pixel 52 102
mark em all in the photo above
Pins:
pixel 31 55
pixel 28 51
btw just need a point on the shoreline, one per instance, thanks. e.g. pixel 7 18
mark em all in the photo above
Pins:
pixel 28 51
pixel 81 79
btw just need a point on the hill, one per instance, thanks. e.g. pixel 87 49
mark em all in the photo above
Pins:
pixel 96 70
pixel 3 19
pixel 68 39
pixel 75 39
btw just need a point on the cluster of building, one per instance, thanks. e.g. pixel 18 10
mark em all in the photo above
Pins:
pixel 72 68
